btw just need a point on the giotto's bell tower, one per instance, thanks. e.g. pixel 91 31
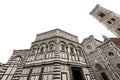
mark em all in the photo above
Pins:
pixel 108 18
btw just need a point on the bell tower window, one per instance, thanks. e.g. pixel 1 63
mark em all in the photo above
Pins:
pixel 101 15
pixel 109 22
pixel 113 19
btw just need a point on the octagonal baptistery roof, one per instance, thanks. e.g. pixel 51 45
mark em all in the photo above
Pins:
pixel 56 33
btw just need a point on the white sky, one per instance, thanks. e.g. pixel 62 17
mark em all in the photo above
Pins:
pixel 21 20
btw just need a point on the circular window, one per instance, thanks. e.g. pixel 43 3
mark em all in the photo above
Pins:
pixel 89 47
pixel 118 65
pixel 98 67
pixel 110 53
pixel 118 28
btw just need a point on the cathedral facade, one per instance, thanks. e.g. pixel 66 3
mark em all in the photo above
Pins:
pixel 58 55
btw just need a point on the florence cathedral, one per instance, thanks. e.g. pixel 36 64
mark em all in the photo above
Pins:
pixel 58 55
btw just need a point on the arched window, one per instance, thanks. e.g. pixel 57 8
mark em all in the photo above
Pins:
pixel 42 49
pixel 80 52
pixel 51 47
pixel 62 47
pixel 71 50
pixel 101 14
pixel 110 53
pixel 33 50
pixel 98 67
pixel 89 47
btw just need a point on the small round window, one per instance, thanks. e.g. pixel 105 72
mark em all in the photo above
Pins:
pixel 118 28
pixel 89 47
pixel 118 65
pixel 110 53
